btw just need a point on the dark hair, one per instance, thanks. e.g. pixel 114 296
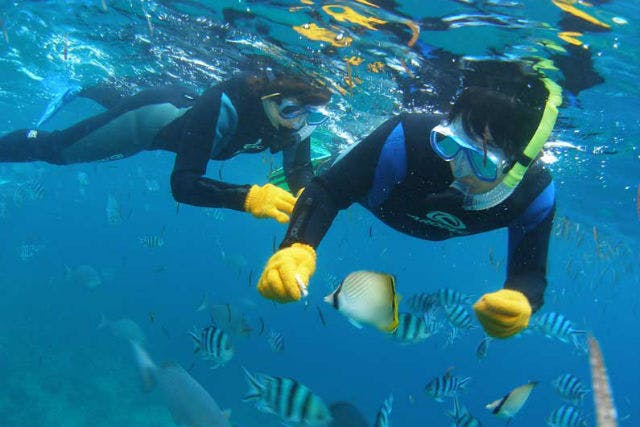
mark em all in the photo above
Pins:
pixel 506 98
pixel 268 82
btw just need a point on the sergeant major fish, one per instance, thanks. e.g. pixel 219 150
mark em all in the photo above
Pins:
pixel 292 401
pixel 570 387
pixel 413 328
pixel 215 345
pixel 446 386
pixel 382 418
pixel 566 416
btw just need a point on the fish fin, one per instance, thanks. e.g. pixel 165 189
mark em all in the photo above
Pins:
pixel 204 303
pixel 463 382
pixel 255 387
pixel 197 344
pixel 354 323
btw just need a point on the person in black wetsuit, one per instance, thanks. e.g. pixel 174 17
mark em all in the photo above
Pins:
pixel 435 180
pixel 246 114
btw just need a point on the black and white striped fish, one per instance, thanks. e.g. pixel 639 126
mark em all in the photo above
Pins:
pixel 215 345
pixel 151 242
pixel 556 325
pixel 461 416
pixel 459 316
pixel 446 386
pixel 447 296
pixel 570 387
pixel 566 416
pixel 382 418
pixel 290 400
pixel 413 328
pixel 422 303
pixel 276 341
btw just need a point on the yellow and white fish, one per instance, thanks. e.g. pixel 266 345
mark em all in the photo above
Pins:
pixel 367 297
pixel 509 405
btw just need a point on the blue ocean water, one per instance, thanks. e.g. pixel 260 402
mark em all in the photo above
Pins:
pixel 58 369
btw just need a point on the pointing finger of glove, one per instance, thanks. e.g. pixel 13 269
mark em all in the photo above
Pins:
pixel 288 275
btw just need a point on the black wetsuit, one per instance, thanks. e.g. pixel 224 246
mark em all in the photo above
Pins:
pixel 226 120
pixel 395 174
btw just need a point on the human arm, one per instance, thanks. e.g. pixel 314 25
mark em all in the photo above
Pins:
pixel 296 161
pixel 506 312
pixel 287 273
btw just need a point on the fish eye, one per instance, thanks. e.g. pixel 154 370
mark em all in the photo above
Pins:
pixel 339 36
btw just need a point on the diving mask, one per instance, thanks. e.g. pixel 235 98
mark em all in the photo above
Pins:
pixel 448 141
pixel 289 110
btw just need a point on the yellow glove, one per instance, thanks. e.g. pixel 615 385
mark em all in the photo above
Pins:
pixel 286 276
pixel 270 201
pixel 503 313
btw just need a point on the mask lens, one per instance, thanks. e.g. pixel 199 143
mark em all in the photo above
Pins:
pixel 292 111
pixel 316 118
pixel 445 146
pixel 485 169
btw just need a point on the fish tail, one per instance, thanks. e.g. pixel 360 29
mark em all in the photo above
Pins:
pixel 463 382
pixel 204 303
pixel 255 387
pixel 197 343
pixel 146 366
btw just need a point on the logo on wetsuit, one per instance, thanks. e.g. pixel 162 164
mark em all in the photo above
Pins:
pixel 442 220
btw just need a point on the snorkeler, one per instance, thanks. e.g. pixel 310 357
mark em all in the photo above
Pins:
pixel 433 179
pixel 246 114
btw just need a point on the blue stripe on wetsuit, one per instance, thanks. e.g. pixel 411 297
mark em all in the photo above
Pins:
pixel 537 211
pixel 391 168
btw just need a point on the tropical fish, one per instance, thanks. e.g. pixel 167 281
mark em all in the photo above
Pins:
pixel 422 303
pixel 228 317
pixel 124 328
pixel 367 297
pixel 214 344
pixel 151 242
pixel 461 416
pixel 446 386
pixel 447 297
pixel 459 316
pixel 556 325
pixel 382 418
pixel 26 251
pixel 570 387
pixel 345 414
pixel 83 275
pixel 413 328
pixel 290 400
pixel 483 348
pixel 276 341
pixel 188 402
pixel 113 211
pixel 509 405
pixel 606 413
pixel 566 416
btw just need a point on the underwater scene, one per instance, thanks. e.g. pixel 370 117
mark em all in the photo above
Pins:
pixel 338 213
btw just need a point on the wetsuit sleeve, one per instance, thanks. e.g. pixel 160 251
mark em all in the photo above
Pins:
pixel 297 165
pixel 528 248
pixel 347 181
pixel 188 183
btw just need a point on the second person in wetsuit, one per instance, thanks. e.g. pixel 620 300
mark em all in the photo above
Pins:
pixel 435 180
pixel 246 114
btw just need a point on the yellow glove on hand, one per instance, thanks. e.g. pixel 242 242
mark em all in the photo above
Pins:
pixel 286 276
pixel 503 313
pixel 270 201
